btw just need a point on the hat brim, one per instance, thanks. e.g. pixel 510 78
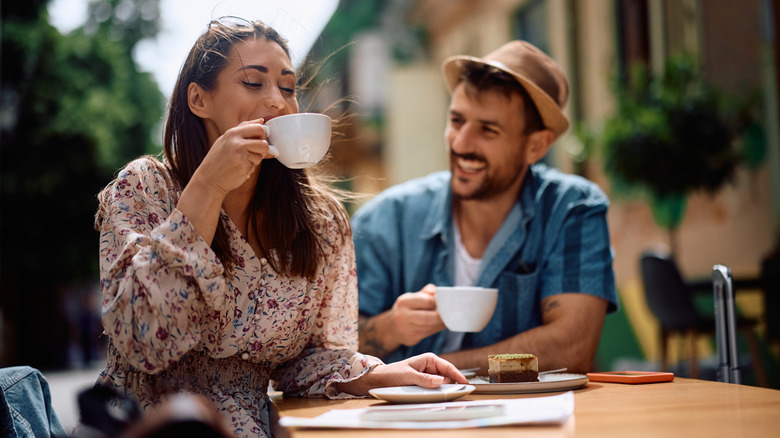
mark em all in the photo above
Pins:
pixel 551 114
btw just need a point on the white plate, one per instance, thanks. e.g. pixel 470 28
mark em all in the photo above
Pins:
pixel 547 383
pixel 417 394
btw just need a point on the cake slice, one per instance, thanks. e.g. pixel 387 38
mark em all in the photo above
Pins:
pixel 506 368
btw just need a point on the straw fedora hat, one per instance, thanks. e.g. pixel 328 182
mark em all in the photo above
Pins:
pixel 537 72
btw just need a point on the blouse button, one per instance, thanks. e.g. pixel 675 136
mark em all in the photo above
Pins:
pixel 263 261
pixel 257 316
pixel 245 356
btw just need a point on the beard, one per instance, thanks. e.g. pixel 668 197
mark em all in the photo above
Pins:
pixel 491 183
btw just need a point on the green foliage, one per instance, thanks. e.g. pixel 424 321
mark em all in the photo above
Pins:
pixel 74 109
pixel 669 210
pixel 752 140
pixel 81 111
pixel 671 135
pixel 618 340
pixel 115 104
pixel 580 146
pixel 125 21
pixel 350 18
pixel 582 149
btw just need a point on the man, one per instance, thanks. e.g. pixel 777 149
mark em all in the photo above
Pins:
pixel 496 219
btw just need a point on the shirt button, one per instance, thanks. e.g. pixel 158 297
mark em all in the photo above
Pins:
pixel 257 316
pixel 245 356
pixel 263 261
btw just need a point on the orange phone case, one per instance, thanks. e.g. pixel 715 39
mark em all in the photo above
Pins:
pixel 631 377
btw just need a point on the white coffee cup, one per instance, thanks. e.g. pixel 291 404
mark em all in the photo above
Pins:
pixel 301 139
pixel 464 308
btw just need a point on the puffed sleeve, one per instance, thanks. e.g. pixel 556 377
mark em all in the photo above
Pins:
pixel 331 355
pixel 159 278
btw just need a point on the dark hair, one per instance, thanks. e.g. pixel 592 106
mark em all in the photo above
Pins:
pixel 481 77
pixel 289 203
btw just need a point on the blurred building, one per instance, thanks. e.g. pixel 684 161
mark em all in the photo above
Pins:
pixel 591 39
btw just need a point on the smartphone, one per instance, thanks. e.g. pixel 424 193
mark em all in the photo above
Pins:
pixel 631 377
pixel 435 413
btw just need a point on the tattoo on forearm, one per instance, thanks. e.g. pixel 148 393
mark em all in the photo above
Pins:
pixel 550 305
pixel 369 339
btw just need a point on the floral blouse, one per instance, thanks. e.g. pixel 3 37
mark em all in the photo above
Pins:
pixel 176 323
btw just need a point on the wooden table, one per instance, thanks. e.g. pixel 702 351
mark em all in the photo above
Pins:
pixel 683 408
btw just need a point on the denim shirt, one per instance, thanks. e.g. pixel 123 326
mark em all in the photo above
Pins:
pixel 554 240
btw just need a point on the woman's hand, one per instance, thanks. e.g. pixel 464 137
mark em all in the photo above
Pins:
pixel 229 163
pixel 234 157
pixel 426 370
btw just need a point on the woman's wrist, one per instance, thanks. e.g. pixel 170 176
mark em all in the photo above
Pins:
pixel 361 385
pixel 201 206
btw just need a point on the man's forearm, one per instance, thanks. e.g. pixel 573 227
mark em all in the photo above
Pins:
pixel 553 352
pixel 372 336
pixel 569 338
pixel 478 357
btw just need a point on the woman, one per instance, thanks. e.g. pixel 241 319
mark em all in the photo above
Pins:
pixel 221 269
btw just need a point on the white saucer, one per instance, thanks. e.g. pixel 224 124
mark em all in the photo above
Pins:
pixel 418 394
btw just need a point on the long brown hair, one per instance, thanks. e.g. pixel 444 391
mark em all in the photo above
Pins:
pixel 288 204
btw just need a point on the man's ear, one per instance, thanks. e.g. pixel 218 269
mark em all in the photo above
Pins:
pixel 196 99
pixel 539 143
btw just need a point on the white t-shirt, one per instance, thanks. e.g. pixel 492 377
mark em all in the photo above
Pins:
pixel 466 273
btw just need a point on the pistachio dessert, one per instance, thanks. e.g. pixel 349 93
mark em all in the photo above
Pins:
pixel 518 367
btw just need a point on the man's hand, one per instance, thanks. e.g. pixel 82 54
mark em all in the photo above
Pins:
pixel 415 317
pixel 412 318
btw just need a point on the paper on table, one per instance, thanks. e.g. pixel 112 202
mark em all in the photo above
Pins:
pixel 553 410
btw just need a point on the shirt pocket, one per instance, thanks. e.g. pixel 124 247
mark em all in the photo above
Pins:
pixel 518 302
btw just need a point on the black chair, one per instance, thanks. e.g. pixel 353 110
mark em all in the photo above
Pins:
pixel 770 283
pixel 670 300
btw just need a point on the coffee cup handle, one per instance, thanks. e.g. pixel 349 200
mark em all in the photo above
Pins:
pixel 271 149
